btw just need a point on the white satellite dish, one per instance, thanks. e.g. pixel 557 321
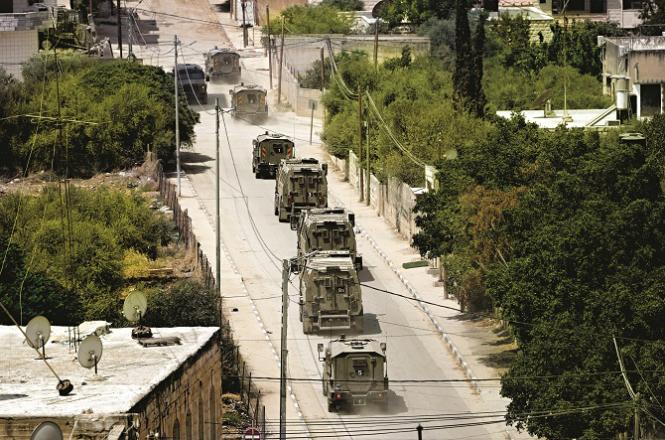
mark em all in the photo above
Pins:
pixel 38 332
pixel 90 352
pixel 135 306
pixel 47 431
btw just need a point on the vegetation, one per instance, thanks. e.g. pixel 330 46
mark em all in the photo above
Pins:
pixel 415 12
pixel 113 112
pixel 312 19
pixel 344 5
pixel 71 264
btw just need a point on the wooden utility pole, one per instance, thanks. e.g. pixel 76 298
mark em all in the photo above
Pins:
pixel 631 392
pixel 419 429
pixel 244 24
pixel 177 114
pixel 367 176
pixel 281 65
pixel 360 139
pixel 376 44
pixel 119 30
pixel 282 373
pixel 269 45
pixel 323 70
pixel 218 229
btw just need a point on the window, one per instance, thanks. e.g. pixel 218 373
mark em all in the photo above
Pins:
pixel 359 367
pixel 176 429
pixel 631 4
pixel 277 148
pixel 201 421
pixel 188 425
pixel 650 99
pixel 251 98
pixel 213 418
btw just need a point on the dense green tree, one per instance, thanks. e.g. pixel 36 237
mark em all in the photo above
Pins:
pixel 312 19
pixel 11 95
pixel 414 12
pixel 186 303
pixel 344 5
pixel 463 72
pixel 478 100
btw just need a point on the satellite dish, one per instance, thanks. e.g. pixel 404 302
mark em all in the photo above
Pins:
pixel 135 306
pixel 37 333
pixel 90 352
pixel 47 431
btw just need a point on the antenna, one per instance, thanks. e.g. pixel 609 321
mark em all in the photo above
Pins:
pixel 47 431
pixel 134 309
pixel 90 352
pixel 37 334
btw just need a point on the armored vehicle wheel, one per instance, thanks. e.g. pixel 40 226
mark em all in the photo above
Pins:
pixel 283 216
pixel 307 327
pixel 331 407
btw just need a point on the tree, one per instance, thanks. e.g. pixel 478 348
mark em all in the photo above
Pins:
pixel 462 75
pixel 312 19
pixel 186 303
pixel 344 5
pixel 478 100
pixel 414 12
pixel 11 94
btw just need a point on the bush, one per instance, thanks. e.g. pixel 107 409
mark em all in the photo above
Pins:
pixel 312 19
pixel 344 5
pixel 186 303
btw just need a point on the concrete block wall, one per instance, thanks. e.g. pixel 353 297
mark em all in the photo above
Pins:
pixel 16 48
pixel 188 401
pixel 394 200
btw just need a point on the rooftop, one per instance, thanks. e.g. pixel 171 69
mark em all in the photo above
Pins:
pixel 128 371
pixel 642 43
pixel 582 118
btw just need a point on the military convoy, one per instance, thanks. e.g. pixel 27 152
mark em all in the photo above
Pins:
pixel 222 63
pixel 248 101
pixel 327 229
pixel 300 184
pixel 192 81
pixel 354 373
pixel 330 295
pixel 268 151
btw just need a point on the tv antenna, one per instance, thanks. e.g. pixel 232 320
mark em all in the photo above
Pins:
pixel 47 431
pixel 37 334
pixel 90 352
pixel 134 309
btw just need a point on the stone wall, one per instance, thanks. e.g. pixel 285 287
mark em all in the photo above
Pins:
pixel 79 427
pixel 394 200
pixel 187 404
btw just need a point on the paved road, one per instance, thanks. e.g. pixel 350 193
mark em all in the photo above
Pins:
pixel 256 242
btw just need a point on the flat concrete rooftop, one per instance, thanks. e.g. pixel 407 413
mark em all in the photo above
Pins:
pixel 129 371
pixel 581 118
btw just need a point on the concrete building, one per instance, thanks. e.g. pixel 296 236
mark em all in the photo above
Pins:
pixel 171 390
pixel 540 23
pixel 625 13
pixel 597 119
pixel 634 72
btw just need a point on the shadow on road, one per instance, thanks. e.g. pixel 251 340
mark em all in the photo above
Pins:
pixel 365 275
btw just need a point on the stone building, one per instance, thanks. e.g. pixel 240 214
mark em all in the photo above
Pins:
pixel 172 390
pixel 634 73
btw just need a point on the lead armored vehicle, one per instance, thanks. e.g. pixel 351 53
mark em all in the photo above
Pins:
pixel 354 373
pixel 327 229
pixel 268 151
pixel 248 101
pixel 192 81
pixel 330 294
pixel 300 184
pixel 222 63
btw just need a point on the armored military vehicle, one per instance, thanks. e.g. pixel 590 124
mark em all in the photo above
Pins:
pixel 327 229
pixel 248 100
pixel 330 294
pixel 300 184
pixel 222 63
pixel 269 150
pixel 192 81
pixel 354 373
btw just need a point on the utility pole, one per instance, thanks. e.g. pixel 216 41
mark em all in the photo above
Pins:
pixel 119 30
pixel 177 114
pixel 286 269
pixel 244 24
pixel 419 429
pixel 360 138
pixel 367 180
pixel 633 395
pixel 323 70
pixel 376 44
pixel 281 64
pixel 312 105
pixel 218 230
pixel 269 45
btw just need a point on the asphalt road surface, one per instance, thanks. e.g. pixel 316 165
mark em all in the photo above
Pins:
pixel 256 242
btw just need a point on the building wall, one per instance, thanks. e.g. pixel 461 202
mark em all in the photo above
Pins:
pixel 16 47
pixel 81 427
pixel 190 398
